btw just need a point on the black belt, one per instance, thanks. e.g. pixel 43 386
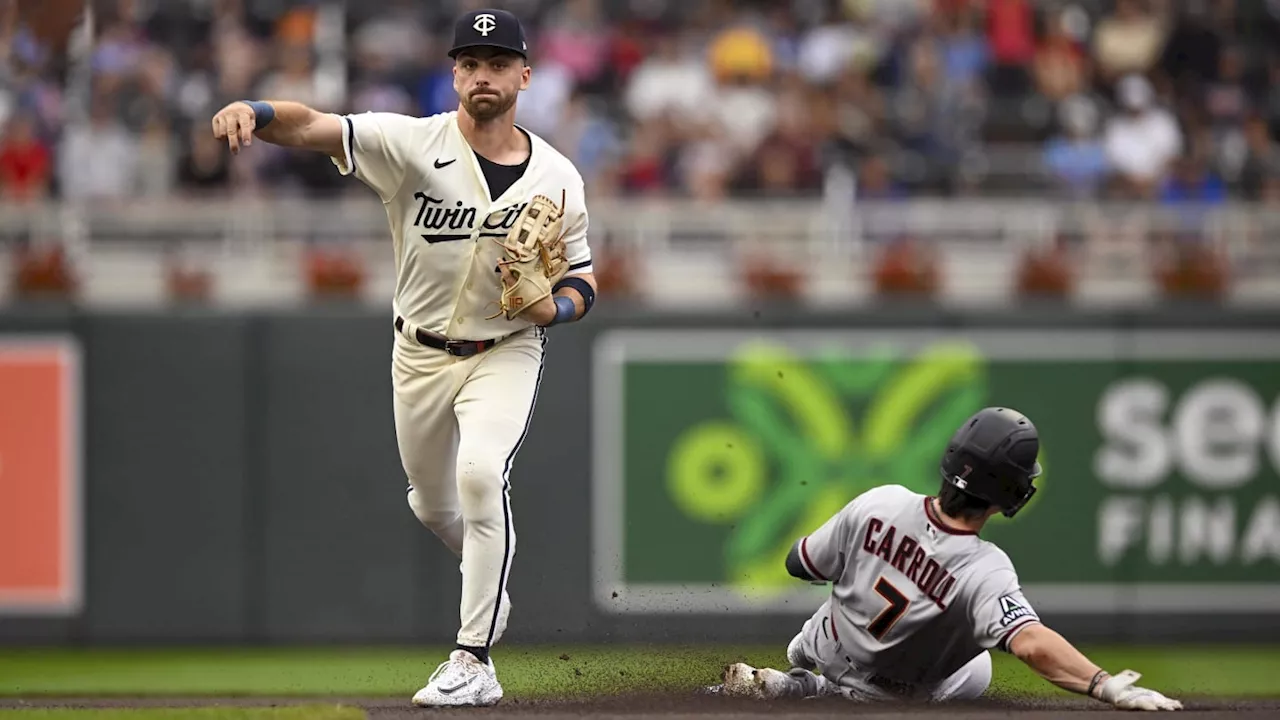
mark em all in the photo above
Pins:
pixel 458 348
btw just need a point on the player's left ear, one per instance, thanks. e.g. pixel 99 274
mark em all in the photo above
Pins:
pixel 526 72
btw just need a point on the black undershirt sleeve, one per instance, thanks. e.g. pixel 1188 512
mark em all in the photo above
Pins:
pixel 795 566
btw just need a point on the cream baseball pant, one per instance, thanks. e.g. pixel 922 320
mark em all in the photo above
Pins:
pixel 459 423
pixel 839 678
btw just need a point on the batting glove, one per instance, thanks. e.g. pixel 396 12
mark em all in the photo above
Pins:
pixel 1120 691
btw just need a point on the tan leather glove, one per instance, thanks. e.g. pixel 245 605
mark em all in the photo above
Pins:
pixel 534 256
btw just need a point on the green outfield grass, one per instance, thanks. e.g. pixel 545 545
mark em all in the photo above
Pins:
pixel 300 712
pixel 541 672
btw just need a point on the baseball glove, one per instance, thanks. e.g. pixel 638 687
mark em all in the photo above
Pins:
pixel 533 256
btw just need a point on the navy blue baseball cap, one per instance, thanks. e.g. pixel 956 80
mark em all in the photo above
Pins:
pixel 489 28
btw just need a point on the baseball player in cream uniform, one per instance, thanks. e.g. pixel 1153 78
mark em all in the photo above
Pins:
pixel 465 376
pixel 918 600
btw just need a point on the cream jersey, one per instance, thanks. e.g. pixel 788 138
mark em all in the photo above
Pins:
pixel 444 224
pixel 912 600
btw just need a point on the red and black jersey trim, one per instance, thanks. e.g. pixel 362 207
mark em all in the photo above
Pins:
pixel 808 564
pixel 1014 630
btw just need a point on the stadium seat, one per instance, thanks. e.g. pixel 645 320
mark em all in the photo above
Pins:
pixel 906 268
pixel 1193 271
pixel 43 273
pixel 334 273
pixel 1046 273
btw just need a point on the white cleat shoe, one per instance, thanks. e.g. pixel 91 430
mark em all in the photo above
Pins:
pixel 796 656
pixel 742 680
pixel 461 681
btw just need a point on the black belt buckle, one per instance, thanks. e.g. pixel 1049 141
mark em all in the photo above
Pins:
pixel 465 348
pixel 456 348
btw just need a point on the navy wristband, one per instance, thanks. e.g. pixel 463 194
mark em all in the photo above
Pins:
pixel 263 113
pixel 584 289
pixel 565 310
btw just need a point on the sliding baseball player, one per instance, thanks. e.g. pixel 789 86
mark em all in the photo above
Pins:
pixel 918 599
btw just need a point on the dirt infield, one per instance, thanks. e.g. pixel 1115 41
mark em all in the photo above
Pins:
pixel 676 707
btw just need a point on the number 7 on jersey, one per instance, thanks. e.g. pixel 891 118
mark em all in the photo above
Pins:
pixel 897 606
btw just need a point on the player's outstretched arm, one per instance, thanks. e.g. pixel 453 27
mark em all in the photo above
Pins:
pixel 1058 661
pixel 278 122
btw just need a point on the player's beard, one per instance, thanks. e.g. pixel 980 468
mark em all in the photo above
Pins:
pixel 483 108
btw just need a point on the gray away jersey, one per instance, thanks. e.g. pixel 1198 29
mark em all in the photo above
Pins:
pixel 912 600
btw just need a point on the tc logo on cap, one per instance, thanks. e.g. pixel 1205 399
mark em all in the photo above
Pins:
pixel 485 23
pixel 488 28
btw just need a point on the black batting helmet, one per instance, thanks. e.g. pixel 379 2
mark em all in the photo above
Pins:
pixel 993 457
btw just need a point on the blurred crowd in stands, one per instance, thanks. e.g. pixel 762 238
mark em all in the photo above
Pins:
pixel 1152 99
pixel 1167 102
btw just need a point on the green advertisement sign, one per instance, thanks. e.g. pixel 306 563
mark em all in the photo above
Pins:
pixel 716 450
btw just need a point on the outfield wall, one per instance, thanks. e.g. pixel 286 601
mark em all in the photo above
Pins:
pixel 201 476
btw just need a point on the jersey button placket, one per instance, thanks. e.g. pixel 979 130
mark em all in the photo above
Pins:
pixel 467 281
